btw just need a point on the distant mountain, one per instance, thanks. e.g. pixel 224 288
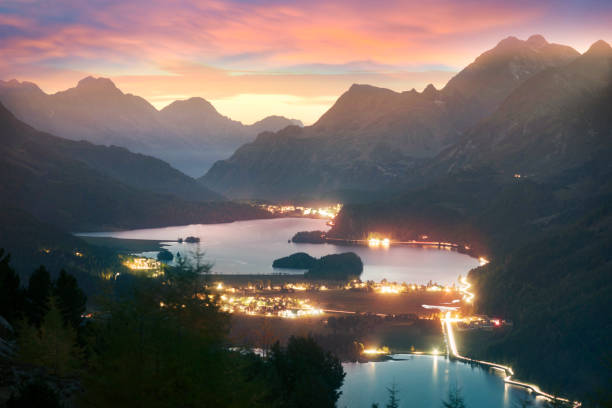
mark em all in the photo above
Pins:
pixel 189 134
pixel 557 120
pixel 135 170
pixel 79 186
pixel 272 123
pixel 374 138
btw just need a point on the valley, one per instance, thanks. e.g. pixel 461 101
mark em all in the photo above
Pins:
pixel 452 239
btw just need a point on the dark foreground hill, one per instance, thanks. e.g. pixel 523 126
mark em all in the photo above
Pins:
pixel 549 246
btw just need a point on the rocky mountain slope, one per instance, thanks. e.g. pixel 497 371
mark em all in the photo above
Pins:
pixel 189 134
pixel 375 138
pixel 557 120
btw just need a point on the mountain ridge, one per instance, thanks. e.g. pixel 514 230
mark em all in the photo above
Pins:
pixel 63 183
pixel 374 138
pixel 553 121
pixel 188 134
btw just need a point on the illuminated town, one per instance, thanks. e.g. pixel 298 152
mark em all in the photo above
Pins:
pixel 257 305
pixel 277 300
pixel 141 264
pixel 329 212
pixel 382 287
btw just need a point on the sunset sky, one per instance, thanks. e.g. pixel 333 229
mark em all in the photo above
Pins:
pixel 256 58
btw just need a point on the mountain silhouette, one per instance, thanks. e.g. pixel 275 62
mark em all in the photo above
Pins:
pixel 189 134
pixel 374 138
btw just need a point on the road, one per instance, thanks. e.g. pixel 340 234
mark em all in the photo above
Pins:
pixel 447 326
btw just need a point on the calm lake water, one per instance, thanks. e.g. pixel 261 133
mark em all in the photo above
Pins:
pixel 249 247
pixel 423 382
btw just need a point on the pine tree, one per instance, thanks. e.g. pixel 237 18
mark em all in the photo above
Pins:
pixel 11 295
pixel 37 295
pixel 393 399
pixel 71 299
pixel 52 346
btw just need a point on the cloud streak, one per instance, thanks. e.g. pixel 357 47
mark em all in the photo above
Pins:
pixel 300 46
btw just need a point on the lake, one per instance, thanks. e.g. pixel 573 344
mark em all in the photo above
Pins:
pixel 249 247
pixel 424 381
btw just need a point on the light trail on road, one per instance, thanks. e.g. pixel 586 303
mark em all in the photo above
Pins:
pixel 447 326
pixel 453 308
pixel 467 295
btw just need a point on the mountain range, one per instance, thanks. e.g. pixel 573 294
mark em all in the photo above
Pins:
pixel 494 113
pixel 78 186
pixel 559 119
pixel 189 134
pixel 528 186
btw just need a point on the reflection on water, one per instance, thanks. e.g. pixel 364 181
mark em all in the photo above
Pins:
pixel 423 382
pixel 249 247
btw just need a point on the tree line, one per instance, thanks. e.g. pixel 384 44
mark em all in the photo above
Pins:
pixel 163 345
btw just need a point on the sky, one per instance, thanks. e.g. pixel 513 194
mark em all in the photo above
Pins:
pixel 254 58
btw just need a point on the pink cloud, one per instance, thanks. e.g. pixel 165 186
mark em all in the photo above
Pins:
pixel 157 48
pixel 313 31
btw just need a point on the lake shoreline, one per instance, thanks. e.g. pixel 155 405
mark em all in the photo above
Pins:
pixel 249 248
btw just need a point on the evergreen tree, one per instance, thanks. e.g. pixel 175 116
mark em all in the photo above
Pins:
pixel 52 345
pixel 39 290
pixel 11 295
pixel 71 299
pixel 393 399
pixel 162 344
pixel 304 375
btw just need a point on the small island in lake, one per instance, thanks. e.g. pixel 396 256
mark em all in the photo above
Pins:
pixel 345 266
pixel 189 240
pixel 299 260
pixel 309 237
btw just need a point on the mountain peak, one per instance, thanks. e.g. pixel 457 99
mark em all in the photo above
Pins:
pixel 537 41
pixel 599 48
pixel 196 102
pixel 192 106
pixel 430 90
pixel 277 121
pixel 92 84
pixel 508 42
pixel 15 84
pixel 362 88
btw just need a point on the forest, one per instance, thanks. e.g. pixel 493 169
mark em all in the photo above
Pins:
pixel 147 347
